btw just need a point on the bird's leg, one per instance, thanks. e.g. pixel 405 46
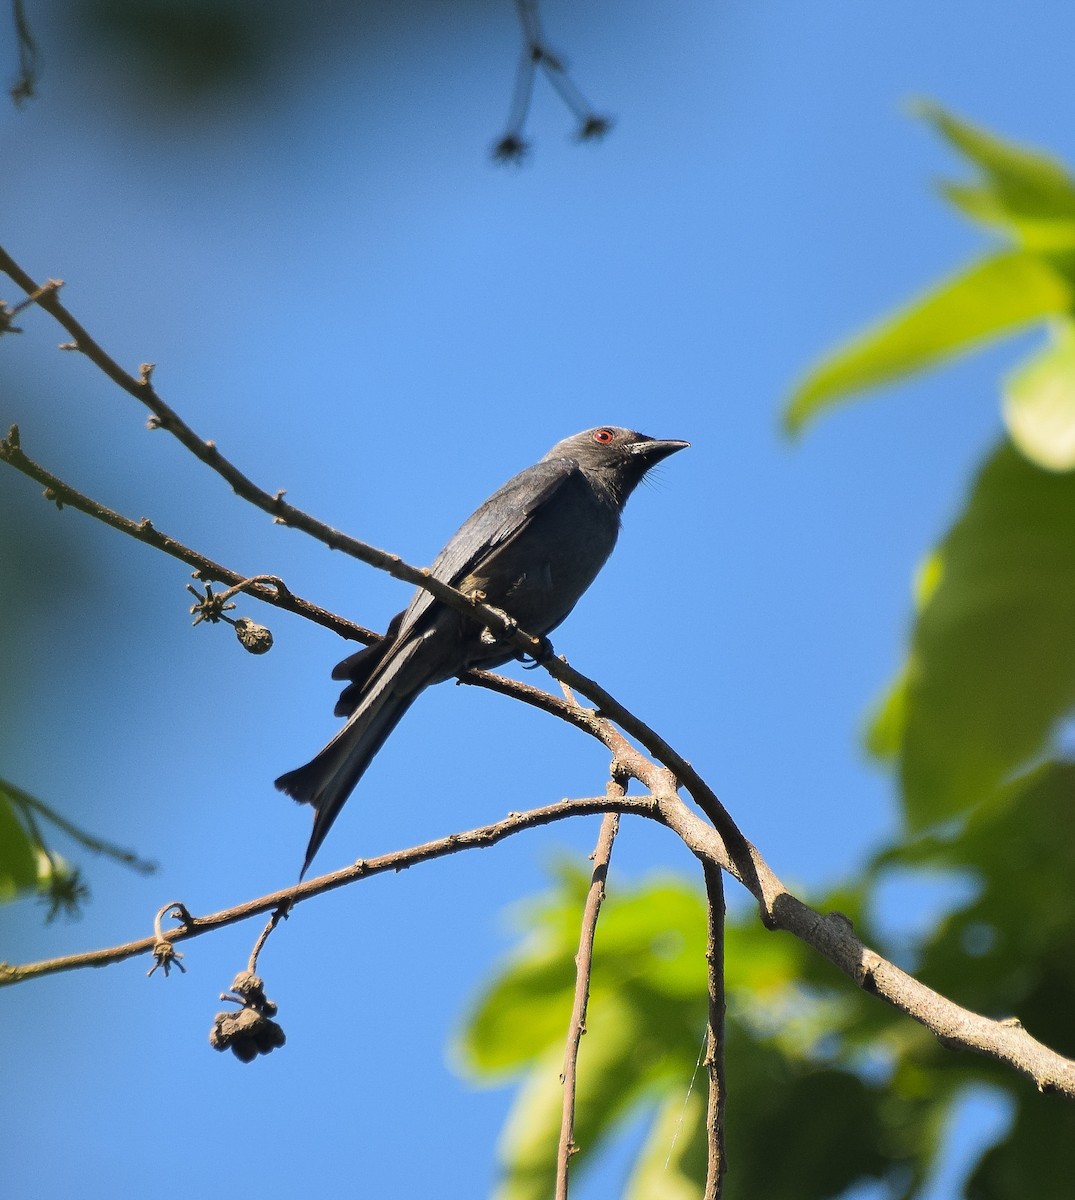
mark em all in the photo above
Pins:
pixel 490 637
pixel 536 657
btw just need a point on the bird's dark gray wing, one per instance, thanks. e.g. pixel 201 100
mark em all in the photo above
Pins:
pixel 500 519
pixel 360 666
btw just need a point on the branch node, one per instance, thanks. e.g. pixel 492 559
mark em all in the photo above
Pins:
pixel 511 148
pixel 210 607
pixel 165 955
pixel 865 974
pixel 6 315
pixel 145 374
pixel 594 128
pixel 48 288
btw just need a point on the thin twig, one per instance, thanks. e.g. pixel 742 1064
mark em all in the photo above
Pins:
pixel 740 850
pixel 486 835
pixel 278 915
pixel 610 825
pixel 31 804
pixel 569 710
pixel 63 494
pixel 23 87
pixel 831 935
pixel 716 1164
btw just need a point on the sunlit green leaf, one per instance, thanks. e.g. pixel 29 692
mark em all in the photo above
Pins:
pixel 18 859
pixel 992 664
pixel 520 1014
pixel 672 1162
pixel 1024 192
pixel 886 723
pixel 1010 947
pixel 1039 402
pixel 995 296
pixel 649 938
pixel 616 1066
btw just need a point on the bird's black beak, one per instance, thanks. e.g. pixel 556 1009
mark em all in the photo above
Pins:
pixel 653 450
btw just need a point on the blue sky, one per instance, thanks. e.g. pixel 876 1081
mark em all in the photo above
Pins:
pixel 340 288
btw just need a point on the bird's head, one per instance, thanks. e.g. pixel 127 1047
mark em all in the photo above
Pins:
pixel 614 457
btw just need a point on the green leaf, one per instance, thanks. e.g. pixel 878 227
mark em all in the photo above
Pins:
pixel 616 1064
pixel 995 296
pixel 18 859
pixel 887 722
pixel 672 1162
pixel 1010 947
pixel 1024 192
pixel 1039 402
pixel 650 939
pixel 776 1103
pixel 991 670
pixel 1037 1158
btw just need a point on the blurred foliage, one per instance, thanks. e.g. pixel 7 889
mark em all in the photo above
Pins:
pixel 797 1035
pixel 990 676
pixel 828 1088
pixel 18 862
pixel 30 866
pixel 45 568
pixel 201 60
pixel 198 60
pixel 196 46
pixel 851 1091
pixel 1027 200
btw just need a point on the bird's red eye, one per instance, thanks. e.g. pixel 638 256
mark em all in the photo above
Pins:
pixel 604 436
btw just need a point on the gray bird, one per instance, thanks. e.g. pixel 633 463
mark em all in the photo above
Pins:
pixel 531 549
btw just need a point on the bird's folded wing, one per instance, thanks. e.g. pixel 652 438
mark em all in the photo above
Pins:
pixel 501 518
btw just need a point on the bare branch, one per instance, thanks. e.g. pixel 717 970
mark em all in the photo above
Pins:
pixel 716 1163
pixel 512 146
pixel 742 853
pixel 830 935
pixel 720 844
pixel 583 966
pixel 486 835
pixel 165 417
pixel 63 495
pixel 31 804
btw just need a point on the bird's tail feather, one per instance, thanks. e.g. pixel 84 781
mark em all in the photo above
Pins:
pixel 329 777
